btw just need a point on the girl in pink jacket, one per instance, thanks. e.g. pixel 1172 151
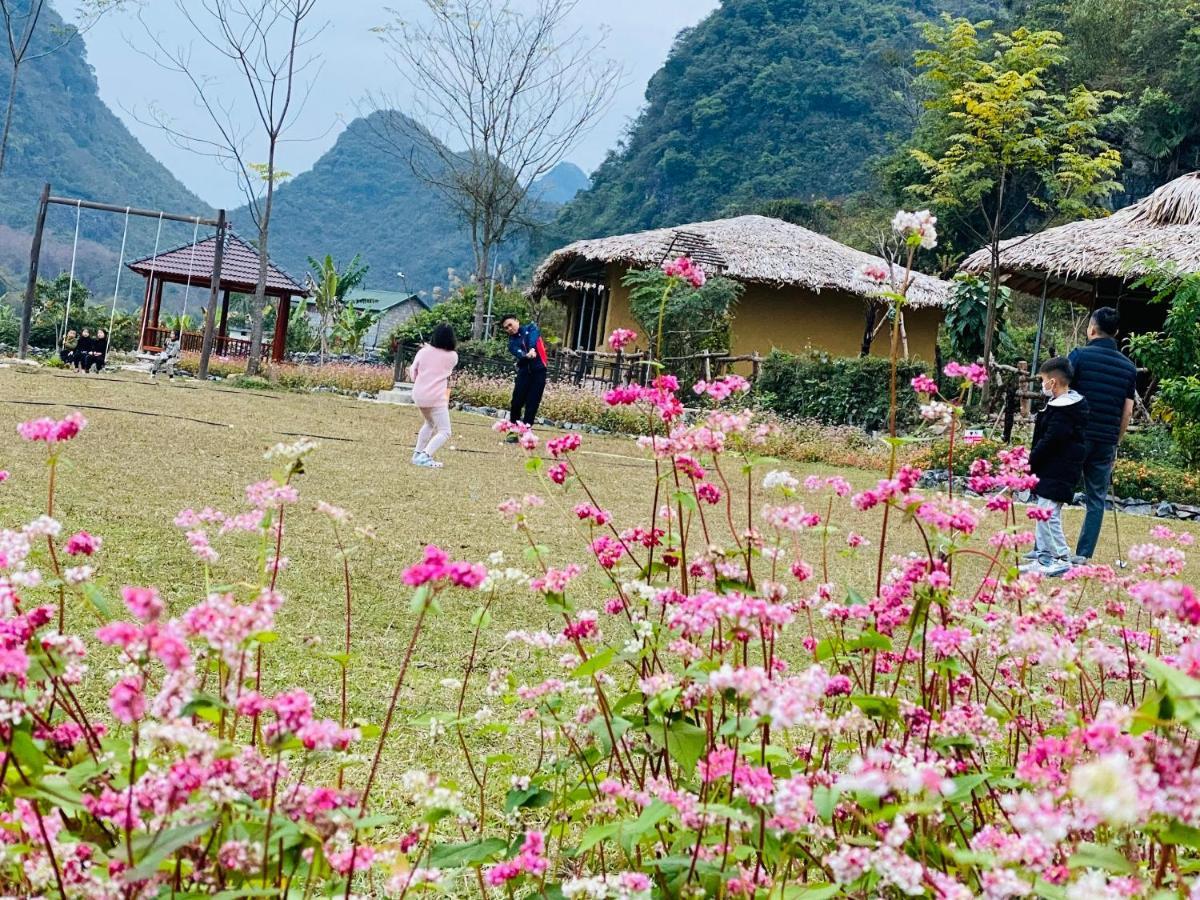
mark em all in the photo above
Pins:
pixel 430 374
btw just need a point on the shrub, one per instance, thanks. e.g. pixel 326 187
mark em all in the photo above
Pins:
pixel 346 378
pixel 936 454
pixel 1153 444
pixel 458 311
pixel 835 390
pixel 1155 482
pixel 561 403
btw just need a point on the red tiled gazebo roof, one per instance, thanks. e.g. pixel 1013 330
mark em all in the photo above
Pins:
pixel 239 268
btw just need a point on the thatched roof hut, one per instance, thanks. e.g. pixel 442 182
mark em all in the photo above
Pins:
pixel 802 290
pixel 1092 261
pixel 753 250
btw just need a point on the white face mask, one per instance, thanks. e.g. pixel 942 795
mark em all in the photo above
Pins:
pixel 1047 390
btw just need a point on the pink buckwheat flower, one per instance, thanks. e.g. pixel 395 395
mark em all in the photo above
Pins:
pixel 82 544
pixel 144 603
pixel 923 384
pixel 621 338
pixel 51 431
pixel 126 700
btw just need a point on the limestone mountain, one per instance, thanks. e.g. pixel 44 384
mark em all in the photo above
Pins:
pixel 362 197
pixel 63 133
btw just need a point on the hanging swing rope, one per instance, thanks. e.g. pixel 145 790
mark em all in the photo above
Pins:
pixel 187 288
pixel 71 282
pixel 117 287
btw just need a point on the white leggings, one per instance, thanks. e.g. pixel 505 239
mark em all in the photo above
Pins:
pixel 436 430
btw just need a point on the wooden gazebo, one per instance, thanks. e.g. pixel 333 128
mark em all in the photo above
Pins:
pixel 191 265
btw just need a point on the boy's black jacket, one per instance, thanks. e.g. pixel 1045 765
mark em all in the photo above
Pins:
pixel 1057 453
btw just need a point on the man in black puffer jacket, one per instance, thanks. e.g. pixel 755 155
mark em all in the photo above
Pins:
pixel 1056 457
pixel 1107 380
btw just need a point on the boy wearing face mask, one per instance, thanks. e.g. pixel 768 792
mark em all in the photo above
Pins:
pixel 1056 457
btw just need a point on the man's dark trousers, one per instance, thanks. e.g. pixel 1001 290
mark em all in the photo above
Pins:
pixel 527 394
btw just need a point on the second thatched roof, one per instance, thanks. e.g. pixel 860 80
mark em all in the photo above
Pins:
pixel 1164 226
pixel 754 249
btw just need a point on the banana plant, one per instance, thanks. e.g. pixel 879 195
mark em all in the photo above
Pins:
pixel 329 286
pixel 351 328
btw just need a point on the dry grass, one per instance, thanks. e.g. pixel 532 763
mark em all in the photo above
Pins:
pixel 153 449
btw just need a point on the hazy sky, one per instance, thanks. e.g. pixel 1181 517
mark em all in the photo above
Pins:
pixel 354 62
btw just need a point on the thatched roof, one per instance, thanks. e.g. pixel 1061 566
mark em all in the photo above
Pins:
pixel 1164 226
pixel 754 249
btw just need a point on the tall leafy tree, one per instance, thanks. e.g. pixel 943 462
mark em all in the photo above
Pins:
pixel 997 139
pixel 1147 49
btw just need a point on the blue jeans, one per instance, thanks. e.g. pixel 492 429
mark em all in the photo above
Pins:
pixel 1097 476
pixel 1051 542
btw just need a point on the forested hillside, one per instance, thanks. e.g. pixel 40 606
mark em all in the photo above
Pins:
pixel 63 133
pixel 764 99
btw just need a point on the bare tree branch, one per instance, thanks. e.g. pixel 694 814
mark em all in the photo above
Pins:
pixel 263 44
pixel 499 97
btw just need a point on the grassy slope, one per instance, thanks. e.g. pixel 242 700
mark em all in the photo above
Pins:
pixel 129 474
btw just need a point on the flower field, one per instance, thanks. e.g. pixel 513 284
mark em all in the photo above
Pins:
pixel 571 668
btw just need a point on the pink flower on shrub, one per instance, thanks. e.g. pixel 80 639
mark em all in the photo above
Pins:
pixel 126 700
pixel 974 373
pixel 608 551
pixel 358 859
pixel 623 396
pixel 588 513
pixel 686 269
pixel 621 338
pixel 82 544
pixel 14 663
pixel 52 431
pixel 721 389
pixel 923 384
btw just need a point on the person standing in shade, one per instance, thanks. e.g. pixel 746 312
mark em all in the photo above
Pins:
pixel 430 374
pixel 525 345
pixel 1056 458
pixel 1108 381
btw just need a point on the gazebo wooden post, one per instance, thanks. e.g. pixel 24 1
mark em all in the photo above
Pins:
pixel 223 333
pixel 279 345
pixel 144 323
pixel 158 292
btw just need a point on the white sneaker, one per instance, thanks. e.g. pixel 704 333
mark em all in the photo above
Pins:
pixel 1032 554
pixel 428 462
pixel 1054 568
pixel 418 458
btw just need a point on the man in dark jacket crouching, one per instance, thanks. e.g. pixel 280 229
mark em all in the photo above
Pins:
pixel 1056 457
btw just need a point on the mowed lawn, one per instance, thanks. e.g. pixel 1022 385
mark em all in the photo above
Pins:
pixel 152 449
